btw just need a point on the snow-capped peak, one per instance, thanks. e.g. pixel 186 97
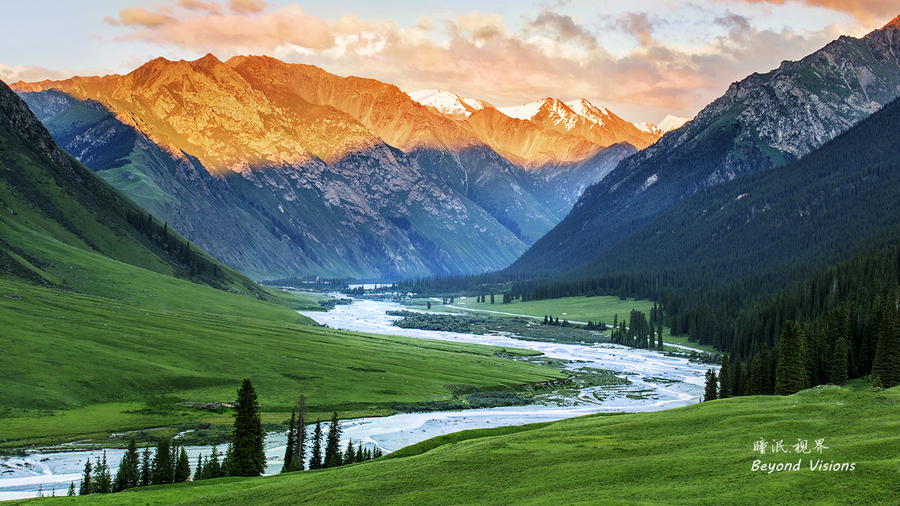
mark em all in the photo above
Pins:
pixel 447 103
pixel 671 123
pixel 649 128
pixel 589 111
pixel 524 111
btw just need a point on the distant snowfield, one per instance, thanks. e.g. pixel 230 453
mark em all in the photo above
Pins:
pixel 53 471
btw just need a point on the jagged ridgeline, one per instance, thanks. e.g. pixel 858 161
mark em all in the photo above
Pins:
pixel 49 196
pixel 763 121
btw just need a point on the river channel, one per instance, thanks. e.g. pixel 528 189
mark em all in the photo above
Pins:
pixel 657 382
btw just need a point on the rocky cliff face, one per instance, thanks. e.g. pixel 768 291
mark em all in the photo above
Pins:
pixel 762 121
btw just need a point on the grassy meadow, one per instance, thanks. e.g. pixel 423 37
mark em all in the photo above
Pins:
pixel 120 347
pixel 702 454
pixel 575 309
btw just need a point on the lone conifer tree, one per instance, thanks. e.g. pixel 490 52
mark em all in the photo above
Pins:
pixel 128 475
pixel 85 488
pixel 315 461
pixel 333 457
pixel 182 467
pixel 349 453
pixel 248 458
pixel 710 393
pixel 297 462
pixel 163 471
pixel 289 448
pixel 724 378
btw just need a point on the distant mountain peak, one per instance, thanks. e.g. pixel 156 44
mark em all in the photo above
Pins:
pixel 670 123
pixel 447 103
pixel 894 23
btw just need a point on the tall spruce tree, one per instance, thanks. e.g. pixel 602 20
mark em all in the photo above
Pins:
pixel 710 392
pixel 724 378
pixel 182 467
pixel 349 453
pixel 86 478
pixel 289 447
pixel 146 471
pixel 299 459
pixel 886 365
pixel 102 481
pixel 333 457
pixel 790 374
pixel 163 470
pixel 128 475
pixel 315 460
pixel 248 439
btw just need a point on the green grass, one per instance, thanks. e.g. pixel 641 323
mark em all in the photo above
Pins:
pixel 76 364
pixel 580 309
pixel 698 455
pixel 576 309
pixel 122 345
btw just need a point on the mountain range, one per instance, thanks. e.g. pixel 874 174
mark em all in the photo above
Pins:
pixel 763 121
pixel 285 170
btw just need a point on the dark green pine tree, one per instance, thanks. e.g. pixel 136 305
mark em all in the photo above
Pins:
pixel 71 492
pixel 840 363
pixel 790 373
pixel 182 467
pixel 289 448
pixel 86 478
pixel 349 453
pixel 299 459
pixel 333 456
pixel 315 460
pixel 710 392
pixel 886 365
pixel 360 453
pixel 146 471
pixel 212 468
pixel 198 472
pixel 248 439
pixel 102 481
pixel 129 473
pixel 163 471
pixel 724 378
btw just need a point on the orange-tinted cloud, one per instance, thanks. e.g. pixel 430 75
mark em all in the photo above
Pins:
pixel 199 5
pixel 478 55
pixel 865 10
pixel 246 6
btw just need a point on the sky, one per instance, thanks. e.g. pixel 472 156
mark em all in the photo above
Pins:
pixel 643 59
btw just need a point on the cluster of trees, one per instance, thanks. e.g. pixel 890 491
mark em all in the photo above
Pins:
pixel 549 320
pixel 166 465
pixel 178 249
pixel 169 463
pixel 639 332
pixel 325 452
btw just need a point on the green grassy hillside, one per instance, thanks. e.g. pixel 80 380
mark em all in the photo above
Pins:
pixel 704 454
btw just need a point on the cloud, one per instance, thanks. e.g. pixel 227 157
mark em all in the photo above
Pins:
pixel 199 5
pixel 864 10
pixel 480 55
pixel 31 73
pixel 637 25
pixel 564 28
pixel 246 6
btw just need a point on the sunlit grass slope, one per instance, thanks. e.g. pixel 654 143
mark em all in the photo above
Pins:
pixel 698 455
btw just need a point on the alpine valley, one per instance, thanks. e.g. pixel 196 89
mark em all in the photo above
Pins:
pixel 285 170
